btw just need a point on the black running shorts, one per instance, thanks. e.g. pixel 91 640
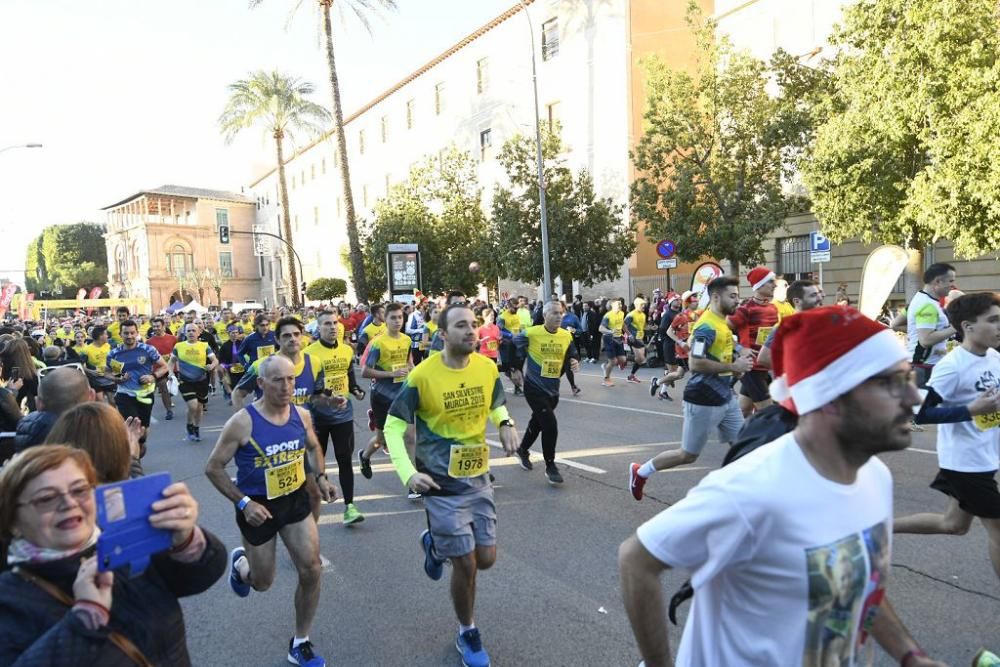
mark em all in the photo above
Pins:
pixel 756 386
pixel 194 390
pixel 976 492
pixel 285 511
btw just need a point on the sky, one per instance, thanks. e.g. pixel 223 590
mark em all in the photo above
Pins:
pixel 125 95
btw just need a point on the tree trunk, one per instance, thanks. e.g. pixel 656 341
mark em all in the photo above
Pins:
pixel 735 264
pixel 913 275
pixel 286 223
pixel 218 296
pixel 354 242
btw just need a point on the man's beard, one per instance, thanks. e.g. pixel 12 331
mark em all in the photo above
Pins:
pixel 862 435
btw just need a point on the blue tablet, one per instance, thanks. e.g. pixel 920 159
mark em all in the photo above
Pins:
pixel 123 511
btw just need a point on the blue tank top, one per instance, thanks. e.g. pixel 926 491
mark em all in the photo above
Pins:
pixel 279 444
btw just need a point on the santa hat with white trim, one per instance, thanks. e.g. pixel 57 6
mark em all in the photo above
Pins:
pixel 759 277
pixel 825 352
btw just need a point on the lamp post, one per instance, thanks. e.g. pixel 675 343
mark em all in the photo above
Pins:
pixel 7 148
pixel 546 273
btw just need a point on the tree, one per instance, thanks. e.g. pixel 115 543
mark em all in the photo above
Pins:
pixel 278 104
pixel 588 239
pixel 64 258
pixel 361 10
pixel 907 150
pixel 217 281
pixel 438 207
pixel 718 148
pixel 326 289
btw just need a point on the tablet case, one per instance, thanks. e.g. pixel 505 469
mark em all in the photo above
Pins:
pixel 123 511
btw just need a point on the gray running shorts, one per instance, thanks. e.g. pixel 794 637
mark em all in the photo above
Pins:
pixel 460 523
pixel 699 420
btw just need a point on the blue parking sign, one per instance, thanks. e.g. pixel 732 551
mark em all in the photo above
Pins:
pixel 818 242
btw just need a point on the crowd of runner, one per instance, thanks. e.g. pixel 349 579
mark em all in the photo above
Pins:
pixel 805 395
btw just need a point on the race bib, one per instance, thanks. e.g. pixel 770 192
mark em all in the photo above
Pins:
pixel 338 385
pixel 285 479
pixel 116 366
pixel 469 461
pixel 396 367
pixel 988 421
pixel 236 369
pixel 552 368
pixel 492 345
pixel 265 351
pixel 762 334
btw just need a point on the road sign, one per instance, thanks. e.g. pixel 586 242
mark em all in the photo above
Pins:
pixel 666 248
pixel 819 257
pixel 819 248
pixel 261 244
pixel 666 263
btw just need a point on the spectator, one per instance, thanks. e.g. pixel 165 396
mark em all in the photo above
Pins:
pixel 16 354
pixel 98 429
pixel 56 608
pixel 60 390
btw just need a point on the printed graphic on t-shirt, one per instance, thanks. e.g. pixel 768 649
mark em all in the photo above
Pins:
pixel 846 584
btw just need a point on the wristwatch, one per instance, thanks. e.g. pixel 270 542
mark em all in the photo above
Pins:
pixel 507 422
pixel 320 475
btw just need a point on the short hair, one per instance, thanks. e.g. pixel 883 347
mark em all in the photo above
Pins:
pixel 260 319
pixel 28 465
pixel 550 306
pixel 393 307
pixel 98 331
pixel 157 319
pixel 721 284
pixel 62 388
pixel 128 323
pixel 287 321
pixel 443 316
pixel 797 290
pixel 98 429
pixel 935 271
pixel 376 308
pixel 327 312
pixel 968 307
pixel 122 309
pixel 455 294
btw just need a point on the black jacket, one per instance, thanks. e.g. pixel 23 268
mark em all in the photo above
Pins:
pixel 37 629
pixel 33 429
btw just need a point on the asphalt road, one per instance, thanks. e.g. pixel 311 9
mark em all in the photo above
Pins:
pixel 553 597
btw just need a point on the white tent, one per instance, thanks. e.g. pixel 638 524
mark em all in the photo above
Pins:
pixel 194 307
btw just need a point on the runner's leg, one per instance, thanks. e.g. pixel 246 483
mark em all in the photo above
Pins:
pixel 302 541
pixel 954 521
pixel 993 533
pixel 262 564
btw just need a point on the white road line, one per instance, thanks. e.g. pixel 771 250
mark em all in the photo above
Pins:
pixel 922 451
pixel 621 407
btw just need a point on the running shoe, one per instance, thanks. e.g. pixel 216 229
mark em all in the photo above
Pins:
pixel 236 582
pixel 470 645
pixel 635 481
pixel 169 415
pixel 654 382
pixel 621 365
pixel 371 419
pixel 664 396
pixel 433 566
pixel 916 428
pixel 303 655
pixel 414 496
pixel 211 390
pixel 524 457
pixel 576 391
pixel 197 433
pixel 633 379
pixel 517 391
pixel 366 465
pixel 607 383
pixel 552 474
pixel 352 515
pixel 986 659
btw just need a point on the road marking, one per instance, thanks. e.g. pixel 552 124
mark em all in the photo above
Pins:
pixel 922 451
pixel 615 407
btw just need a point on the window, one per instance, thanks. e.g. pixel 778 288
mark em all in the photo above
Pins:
pixel 482 75
pixel 221 218
pixel 411 106
pixel 485 141
pixel 384 126
pixel 550 39
pixel 793 257
pixel 552 115
pixel 439 99
pixel 226 264
pixel 361 141
pixel 179 260
pixel 292 187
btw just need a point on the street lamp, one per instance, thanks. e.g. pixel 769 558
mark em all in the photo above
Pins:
pixel 7 148
pixel 546 274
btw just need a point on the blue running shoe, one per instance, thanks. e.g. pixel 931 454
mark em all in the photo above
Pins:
pixel 304 656
pixel 236 582
pixel 432 566
pixel 470 645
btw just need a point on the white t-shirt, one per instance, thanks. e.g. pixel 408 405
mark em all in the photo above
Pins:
pixel 925 313
pixel 959 379
pixel 786 564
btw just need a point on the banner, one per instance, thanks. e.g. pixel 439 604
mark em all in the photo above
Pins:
pixel 82 292
pixel 6 296
pixel 703 275
pixel 95 293
pixel 883 267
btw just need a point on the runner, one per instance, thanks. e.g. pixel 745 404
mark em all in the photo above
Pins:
pixel 547 350
pixel 373 329
pixel 789 546
pixel 489 334
pixel 261 343
pixel 193 364
pixel 612 329
pixel 803 295
pixel 635 326
pixel 270 440
pixel 449 397
pixel 510 325
pixel 387 363
pixel 967 381
pixel 927 326
pixel 135 367
pixel 114 329
pixel 230 362
pixel 335 422
pixel 678 332
pixel 708 396
pixel 95 355
pixel 753 321
pixel 164 343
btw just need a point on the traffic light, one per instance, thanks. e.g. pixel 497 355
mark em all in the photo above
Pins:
pixel 303 287
pixel 224 234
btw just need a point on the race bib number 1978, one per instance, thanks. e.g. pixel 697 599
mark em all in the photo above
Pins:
pixel 469 461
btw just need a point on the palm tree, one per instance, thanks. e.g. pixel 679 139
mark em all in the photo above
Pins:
pixel 362 9
pixel 278 104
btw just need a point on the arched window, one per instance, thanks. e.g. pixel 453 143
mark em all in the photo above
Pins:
pixel 120 267
pixel 180 261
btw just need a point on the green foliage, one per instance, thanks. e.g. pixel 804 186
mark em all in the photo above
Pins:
pixel 588 239
pixel 64 258
pixel 326 289
pixel 275 103
pixel 717 148
pixel 907 151
pixel 438 207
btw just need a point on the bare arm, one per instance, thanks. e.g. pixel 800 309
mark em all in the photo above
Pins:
pixel 899 323
pixel 711 367
pixel 234 433
pixel 930 338
pixel 893 636
pixel 764 357
pixel 643 596
pixel 672 335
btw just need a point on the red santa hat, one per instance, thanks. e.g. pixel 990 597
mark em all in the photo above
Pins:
pixel 759 277
pixel 825 352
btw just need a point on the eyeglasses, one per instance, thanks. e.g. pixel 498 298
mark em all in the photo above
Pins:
pixel 50 501
pixel 897 383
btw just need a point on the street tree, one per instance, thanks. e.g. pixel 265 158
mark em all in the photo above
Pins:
pixel 589 239
pixel 439 208
pixel 277 104
pixel 363 11
pixel 907 151
pixel 326 289
pixel 717 153
pixel 217 280
pixel 64 258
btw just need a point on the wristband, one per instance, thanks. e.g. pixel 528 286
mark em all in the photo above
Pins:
pixel 185 544
pixel 244 501
pixel 912 653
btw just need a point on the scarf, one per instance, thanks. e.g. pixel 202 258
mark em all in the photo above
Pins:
pixel 23 551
